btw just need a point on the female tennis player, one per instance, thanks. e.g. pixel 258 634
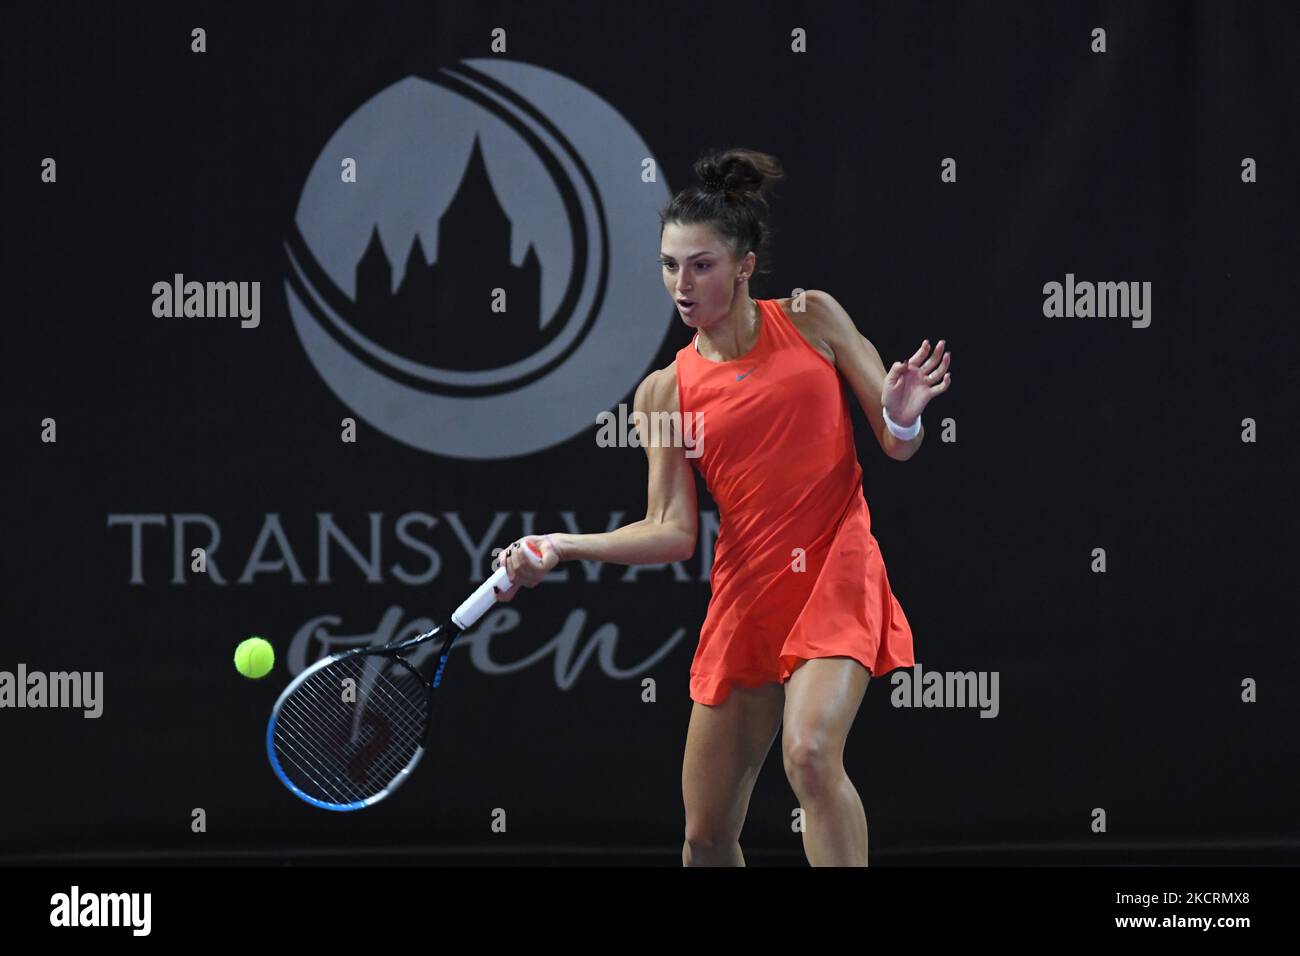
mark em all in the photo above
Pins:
pixel 801 613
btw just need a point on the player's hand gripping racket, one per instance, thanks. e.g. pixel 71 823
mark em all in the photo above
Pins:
pixel 350 728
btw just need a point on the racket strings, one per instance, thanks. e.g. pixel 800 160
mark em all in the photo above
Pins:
pixel 342 743
pixel 388 763
pixel 311 758
pixel 388 756
pixel 311 763
pixel 349 751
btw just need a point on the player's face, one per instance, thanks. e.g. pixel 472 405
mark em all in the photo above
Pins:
pixel 699 272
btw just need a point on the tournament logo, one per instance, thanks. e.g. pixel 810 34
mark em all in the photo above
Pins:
pixel 489 182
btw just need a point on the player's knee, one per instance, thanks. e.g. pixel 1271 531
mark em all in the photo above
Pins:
pixel 811 765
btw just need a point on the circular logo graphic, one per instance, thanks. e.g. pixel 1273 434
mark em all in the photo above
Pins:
pixel 471 263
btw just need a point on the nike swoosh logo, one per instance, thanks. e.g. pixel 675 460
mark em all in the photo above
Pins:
pixel 739 377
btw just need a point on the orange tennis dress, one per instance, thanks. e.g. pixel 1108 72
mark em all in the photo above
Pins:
pixel 797 573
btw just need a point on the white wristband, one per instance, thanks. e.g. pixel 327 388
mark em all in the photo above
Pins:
pixel 897 430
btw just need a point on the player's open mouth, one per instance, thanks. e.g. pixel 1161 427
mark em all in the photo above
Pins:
pixel 685 304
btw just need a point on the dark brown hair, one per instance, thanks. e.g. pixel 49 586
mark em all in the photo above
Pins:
pixel 731 196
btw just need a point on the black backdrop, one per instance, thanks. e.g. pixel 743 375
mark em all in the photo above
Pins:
pixel 1120 690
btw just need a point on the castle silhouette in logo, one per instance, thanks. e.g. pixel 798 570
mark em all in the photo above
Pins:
pixel 441 314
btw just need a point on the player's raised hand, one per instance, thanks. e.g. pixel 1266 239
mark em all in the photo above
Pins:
pixel 909 387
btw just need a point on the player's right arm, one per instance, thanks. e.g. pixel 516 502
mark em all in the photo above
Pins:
pixel 668 530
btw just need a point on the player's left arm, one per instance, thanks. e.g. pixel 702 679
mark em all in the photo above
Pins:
pixel 907 387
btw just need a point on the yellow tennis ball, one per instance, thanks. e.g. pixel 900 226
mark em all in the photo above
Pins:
pixel 254 657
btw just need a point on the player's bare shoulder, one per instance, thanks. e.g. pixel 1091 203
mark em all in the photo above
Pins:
pixel 657 407
pixel 658 391
pixel 810 320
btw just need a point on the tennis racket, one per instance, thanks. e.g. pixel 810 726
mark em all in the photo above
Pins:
pixel 350 728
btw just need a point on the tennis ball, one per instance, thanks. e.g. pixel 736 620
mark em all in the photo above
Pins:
pixel 254 657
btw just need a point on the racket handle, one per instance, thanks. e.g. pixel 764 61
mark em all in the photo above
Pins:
pixel 485 596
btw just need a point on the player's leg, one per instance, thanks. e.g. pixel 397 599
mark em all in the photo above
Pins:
pixel 726 745
pixel 821 699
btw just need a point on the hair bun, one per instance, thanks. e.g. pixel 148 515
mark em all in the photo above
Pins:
pixel 711 177
pixel 740 174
